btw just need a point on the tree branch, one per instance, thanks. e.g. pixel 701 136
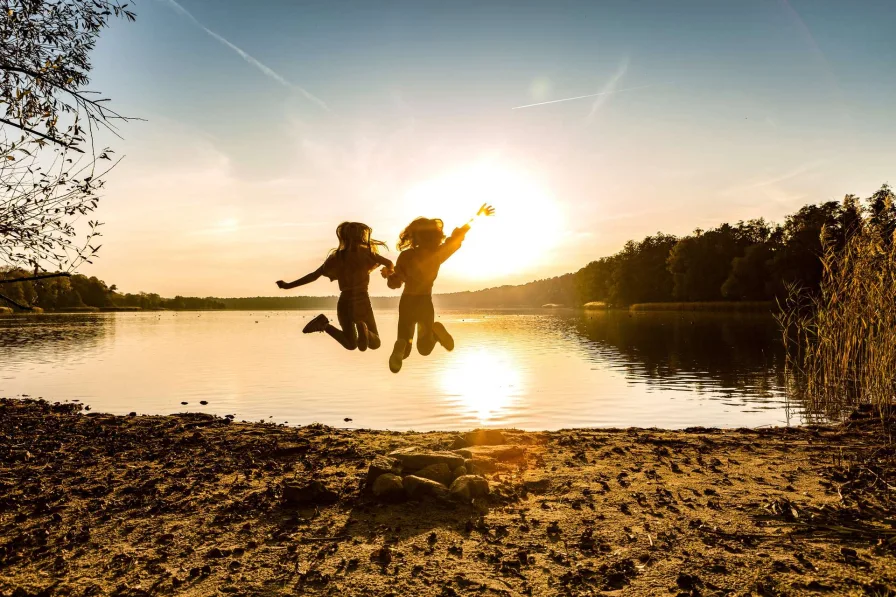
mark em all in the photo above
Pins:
pixel 41 135
pixel 40 277
pixel 15 304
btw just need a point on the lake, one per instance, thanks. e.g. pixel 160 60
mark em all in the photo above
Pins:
pixel 532 370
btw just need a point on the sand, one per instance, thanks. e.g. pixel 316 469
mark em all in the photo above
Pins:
pixel 95 504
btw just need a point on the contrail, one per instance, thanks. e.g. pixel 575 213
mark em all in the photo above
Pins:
pixel 262 67
pixel 569 99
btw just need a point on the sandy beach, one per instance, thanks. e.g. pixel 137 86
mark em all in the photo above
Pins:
pixel 96 504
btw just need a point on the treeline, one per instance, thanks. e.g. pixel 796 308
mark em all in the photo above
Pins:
pixel 747 261
pixel 78 292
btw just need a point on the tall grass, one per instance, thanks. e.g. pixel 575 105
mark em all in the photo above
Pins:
pixel 841 339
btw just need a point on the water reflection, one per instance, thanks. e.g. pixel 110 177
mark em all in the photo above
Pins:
pixel 48 338
pixel 737 354
pixel 483 382
pixel 532 370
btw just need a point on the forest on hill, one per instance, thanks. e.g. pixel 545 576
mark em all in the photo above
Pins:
pixel 746 261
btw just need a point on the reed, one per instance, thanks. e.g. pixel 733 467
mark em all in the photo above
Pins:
pixel 841 339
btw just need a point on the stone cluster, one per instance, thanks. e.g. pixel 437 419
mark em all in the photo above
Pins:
pixel 416 473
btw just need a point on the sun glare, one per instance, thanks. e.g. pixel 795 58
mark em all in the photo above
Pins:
pixel 485 382
pixel 519 238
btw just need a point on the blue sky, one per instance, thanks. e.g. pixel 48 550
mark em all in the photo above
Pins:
pixel 383 111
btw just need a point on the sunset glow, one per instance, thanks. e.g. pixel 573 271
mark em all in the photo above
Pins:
pixel 527 226
pixel 485 381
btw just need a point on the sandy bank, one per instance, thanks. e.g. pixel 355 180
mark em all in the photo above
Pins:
pixel 191 504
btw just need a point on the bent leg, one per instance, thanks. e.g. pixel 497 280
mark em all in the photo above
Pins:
pixel 426 315
pixel 349 341
pixel 347 336
pixel 373 336
pixel 406 318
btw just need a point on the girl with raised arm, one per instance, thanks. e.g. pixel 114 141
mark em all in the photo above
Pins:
pixel 423 249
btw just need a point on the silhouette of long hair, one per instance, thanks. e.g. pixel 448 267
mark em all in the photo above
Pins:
pixel 354 236
pixel 421 232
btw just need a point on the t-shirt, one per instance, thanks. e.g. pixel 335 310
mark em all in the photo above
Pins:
pixel 418 268
pixel 351 268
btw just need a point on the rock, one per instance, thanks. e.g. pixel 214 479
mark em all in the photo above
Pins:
pixel 458 472
pixel 419 488
pixel 388 487
pixel 382 556
pixel 414 458
pixel 498 453
pixel 537 485
pixel 480 466
pixel 688 582
pixel 468 487
pixel 440 473
pixel 313 493
pixel 459 442
pixel 484 437
pixel 291 448
pixel 380 466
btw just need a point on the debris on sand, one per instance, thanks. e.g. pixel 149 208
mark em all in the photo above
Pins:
pixel 96 504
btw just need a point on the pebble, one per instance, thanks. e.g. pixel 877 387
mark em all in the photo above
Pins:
pixel 314 492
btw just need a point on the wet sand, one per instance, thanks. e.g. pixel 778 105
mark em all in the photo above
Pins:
pixel 94 504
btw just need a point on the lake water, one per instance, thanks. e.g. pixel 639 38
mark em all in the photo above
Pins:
pixel 530 370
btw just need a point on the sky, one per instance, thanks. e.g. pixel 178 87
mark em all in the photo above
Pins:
pixel 265 127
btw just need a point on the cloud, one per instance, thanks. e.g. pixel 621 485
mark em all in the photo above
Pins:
pixel 245 56
pixel 608 89
pixel 773 181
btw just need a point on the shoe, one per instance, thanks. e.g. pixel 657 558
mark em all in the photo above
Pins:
pixel 318 324
pixel 408 348
pixel 397 356
pixel 363 339
pixel 442 335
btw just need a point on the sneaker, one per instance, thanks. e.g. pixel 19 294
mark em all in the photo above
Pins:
pixel 442 335
pixel 397 356
pixel 318 324
pixel 363 339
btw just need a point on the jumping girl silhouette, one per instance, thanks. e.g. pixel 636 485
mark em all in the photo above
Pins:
pixel 350 264
pixel 417 267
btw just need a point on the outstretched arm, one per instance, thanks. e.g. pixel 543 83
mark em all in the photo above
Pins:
pixel 307 279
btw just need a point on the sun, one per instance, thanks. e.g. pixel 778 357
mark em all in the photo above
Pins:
pixel 518 239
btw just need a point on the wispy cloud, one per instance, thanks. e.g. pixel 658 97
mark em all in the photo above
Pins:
pixel 232 225
pixel 608 89
pixel 269 72
pixel 773 181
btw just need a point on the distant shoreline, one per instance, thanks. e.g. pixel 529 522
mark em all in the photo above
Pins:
pixel 329 303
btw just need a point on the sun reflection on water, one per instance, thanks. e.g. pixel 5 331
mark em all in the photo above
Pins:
pixel 485 383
